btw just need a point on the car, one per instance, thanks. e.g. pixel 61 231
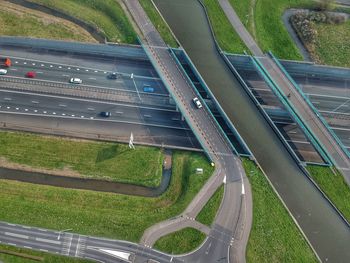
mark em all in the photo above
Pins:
pixel 31 74
pixel 106 114
pixel 197 102
pixel 113 75
pixel 3 71
pixel 75 81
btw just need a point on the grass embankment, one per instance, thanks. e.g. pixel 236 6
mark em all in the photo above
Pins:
pixel 19 21
pixel 25 255
pixel 180 242
pixel 332 44
pixel 208 213
pixel 103 214
pixel 274 237
pixel 105 15
pixel 159 23
pixel 226 36
pixel 263 19
pixel 99 160
pixel 334 186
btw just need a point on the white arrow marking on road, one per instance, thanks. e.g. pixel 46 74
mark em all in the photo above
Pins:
pixel 116 253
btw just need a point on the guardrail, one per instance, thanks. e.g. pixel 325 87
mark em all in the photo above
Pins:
pixel 47 87
pixel 294 113
pixel 309 103
pixel 217 105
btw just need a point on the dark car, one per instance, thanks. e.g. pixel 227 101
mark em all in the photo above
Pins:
pixel 31 74
pixel 113 75
pixel 106 114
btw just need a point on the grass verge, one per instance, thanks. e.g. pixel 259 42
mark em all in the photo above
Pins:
pixel 334 187
pixel 180 242
pixel 106 16
pixel 332 43
pixel 99 160
pixel 103 214
pixel 274 237
pixel 263 20
pixel 159 23
pixel 207 215
pixel 19 21
pixel 226 36
pixel 45 257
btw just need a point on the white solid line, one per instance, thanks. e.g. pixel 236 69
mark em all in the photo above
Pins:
pixel 44 250
pixel 27 247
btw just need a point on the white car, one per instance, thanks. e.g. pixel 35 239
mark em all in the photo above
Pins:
pixel 75 81
pixel 197 103
pixel 3 71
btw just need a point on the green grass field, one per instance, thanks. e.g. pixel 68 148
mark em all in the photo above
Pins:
pixel 226 36
pixel 274 237
pixel 207 215
pixel 263 19
pixel 180 242
pixel 334 186
pixel 332 44
pixel 103 214
pixel 159 23
pixel 111 161
pixel 46 257
pixel 26 24
pixel 105 15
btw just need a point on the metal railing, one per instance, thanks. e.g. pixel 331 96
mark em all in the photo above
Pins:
pixel 306 99
pixel 294 113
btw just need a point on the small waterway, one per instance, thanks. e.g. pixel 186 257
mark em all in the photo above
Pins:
pixel 91 184
pixel 327 232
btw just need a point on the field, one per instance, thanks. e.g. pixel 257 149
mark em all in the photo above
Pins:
pixel 334 186
pixel 103 214
pixel 19 21
pixel 226 36
pixel 111 161
pixel 159 23
pixel 207 215
pixel 332 44
pixel 107 16
pixel 180 242
pixel 264 21
pixel 274 237
pixel 46 257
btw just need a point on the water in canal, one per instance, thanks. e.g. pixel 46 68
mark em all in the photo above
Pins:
pixel 329 235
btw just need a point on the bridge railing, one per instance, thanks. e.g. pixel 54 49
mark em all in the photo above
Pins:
pixel 294 113
pixel 307 100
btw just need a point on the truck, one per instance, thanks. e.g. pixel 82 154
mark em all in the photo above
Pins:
pixel 6 62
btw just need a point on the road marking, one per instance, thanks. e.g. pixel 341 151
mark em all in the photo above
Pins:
pixel 12 244
pixel 63 114
pixel 65 75
pixel 86 70
pixel 10 224
pixel 25 63
pixel 8 107
pixel 33 64
pixel 13 69
pixel 25 109
pixel 16 235
pixel 27 247
pixel 42 65
pixel 59 66
pixel 91 109
pixel 17 108
pixel 35 110
pixel 62 105
pixel 35 102
pixel 44 250
pixel 44 111
pixel 7 99
pixel 54 113
pixel 47 241
pixel 78 69
pixel 93 78
pixel 116 253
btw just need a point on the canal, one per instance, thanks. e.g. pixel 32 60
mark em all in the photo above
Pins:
pixel 326 231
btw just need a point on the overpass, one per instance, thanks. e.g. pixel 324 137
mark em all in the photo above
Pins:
pixel 231 222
